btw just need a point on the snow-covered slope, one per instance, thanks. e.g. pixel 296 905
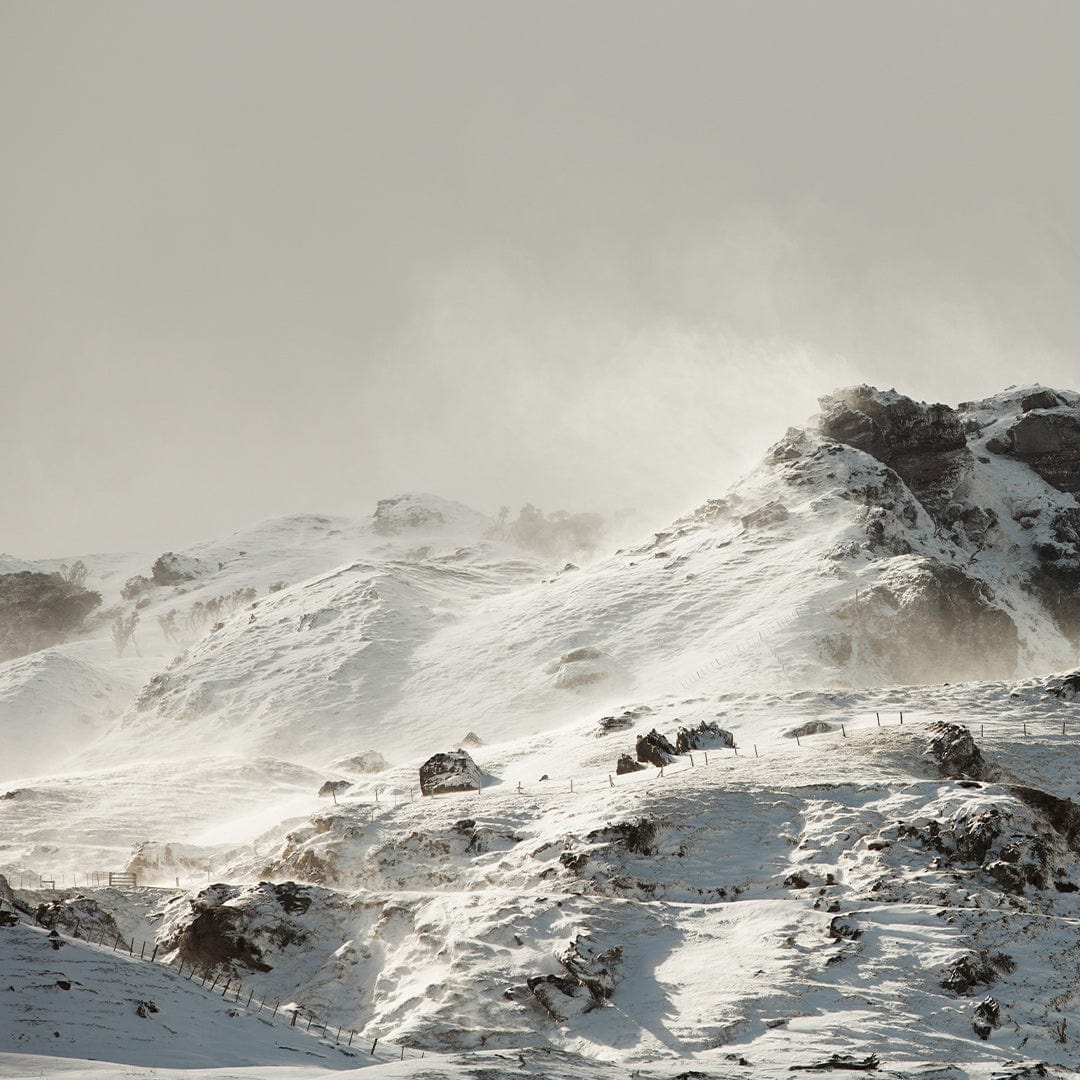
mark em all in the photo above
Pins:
pixel 829 884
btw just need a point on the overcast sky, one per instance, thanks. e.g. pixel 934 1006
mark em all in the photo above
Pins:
pixel 259 258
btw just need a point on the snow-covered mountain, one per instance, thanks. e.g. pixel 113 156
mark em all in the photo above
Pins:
pixel 863 890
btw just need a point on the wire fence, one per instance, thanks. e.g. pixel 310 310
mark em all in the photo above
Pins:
pixel 235 993
pixel 796 739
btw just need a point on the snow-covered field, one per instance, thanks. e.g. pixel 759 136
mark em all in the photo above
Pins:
pixel 827 885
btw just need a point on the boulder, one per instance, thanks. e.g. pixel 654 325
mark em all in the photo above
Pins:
pixel 705 736
pixel 626 764
pixel 444 773
pixel 955 753
pixel 1048 442
pixel 1042 399
pixel 655 749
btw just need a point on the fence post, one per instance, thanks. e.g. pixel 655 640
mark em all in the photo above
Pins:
pixel 755 750
pixel 706 757
pixel 351 1034
pixel 403 1053
pixel 142 951
pixel 1062 727
pixel 250 996
pixel 294 1013
pixel 611 783
pixel 736 749
pixel 901 717
pixel 153 955
pixel 797 743
pixel 1025 727
pixel 691 761
pixel 76 934
pixel 843 731
pixel 274 1013
pixel 982 730
pixel 225 988
pixel 373 1045
pixel 571 785
pixel 309 1019
pixel 878 715
pixel 661 772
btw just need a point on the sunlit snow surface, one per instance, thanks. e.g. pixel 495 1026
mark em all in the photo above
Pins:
pixel 197 760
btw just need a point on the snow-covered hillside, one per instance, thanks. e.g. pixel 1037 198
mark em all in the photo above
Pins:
pixel 811 890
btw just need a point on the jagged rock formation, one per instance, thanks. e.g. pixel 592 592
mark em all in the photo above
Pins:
pixel 706 735
pixel 655 749
pixel 924 444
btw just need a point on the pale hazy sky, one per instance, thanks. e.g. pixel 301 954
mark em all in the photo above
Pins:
pixel 258 258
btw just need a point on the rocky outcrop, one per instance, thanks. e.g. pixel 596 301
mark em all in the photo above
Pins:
pixel 1057 579
pixel 444 773
pixel 924 444
pixel 626 764
pixel 926 621
pixel 954 752
pixel 655 749
pixel 233 929
pixel 705 736
pixel 174 569
pixel 1047 438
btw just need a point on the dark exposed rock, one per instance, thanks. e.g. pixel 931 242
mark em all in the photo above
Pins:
pixel 926 621
pixel 974 969
pixel 230 928
pixel 561 997
pixel 626 764
pixel 1063 815
pixel 955 752
pixel 455 771
pixel 655 749
pixel 1047 441
pixel 471 739
pixel 705 736
pixel 1068 687
pixel 987 1017
pixel 796 881
pixel 924 444
pixel 592 966
pixel 638 836
pixel 1042 399
pixel 622 721
pixel 145 1009
pixel 1057 579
